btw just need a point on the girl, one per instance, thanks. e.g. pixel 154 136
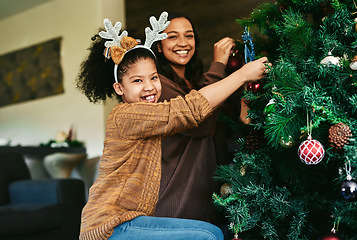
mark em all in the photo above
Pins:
pixel 188 158
pixel 123 198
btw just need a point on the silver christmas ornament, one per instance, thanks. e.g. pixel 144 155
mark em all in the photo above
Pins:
pixel 353 65
pixel 331 60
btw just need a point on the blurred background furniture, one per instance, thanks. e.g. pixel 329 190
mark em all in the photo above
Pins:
pixel 61 165
pixel 34 157
pixel 41 151
pixel 75 165
pixel 37 209
pixel 87 170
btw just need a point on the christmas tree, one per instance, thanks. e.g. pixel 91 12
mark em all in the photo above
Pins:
pixel 294 174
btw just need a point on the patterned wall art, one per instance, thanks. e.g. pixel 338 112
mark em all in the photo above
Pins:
pixel 31 73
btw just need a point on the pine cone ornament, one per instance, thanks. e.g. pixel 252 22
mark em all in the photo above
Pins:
pixel 254 139
pixel 339 135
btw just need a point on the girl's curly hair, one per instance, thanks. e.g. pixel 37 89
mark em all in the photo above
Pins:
pixel 96 76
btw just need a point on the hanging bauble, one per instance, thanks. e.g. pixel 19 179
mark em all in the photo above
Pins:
pixel 255 87
pixel 331 60
pixel 311 151
pixel 270 107
pixel 236 237
pixel 353 64
pixel 330 236
pixel 235 62
pixel 339 135
pixel 288 142
pixel 355 24
pixel 348 190
pixel 226 190
pixel 243 170
pixel 269 111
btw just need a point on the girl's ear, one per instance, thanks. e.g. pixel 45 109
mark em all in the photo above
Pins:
pixel 118 88
pixel 159 47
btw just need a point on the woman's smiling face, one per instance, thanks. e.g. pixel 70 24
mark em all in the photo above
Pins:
pixel 179 46
pixel 140 83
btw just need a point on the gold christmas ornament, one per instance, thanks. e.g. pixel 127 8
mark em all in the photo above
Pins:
pixel 353 64
pixel 226 190
pixel 243 170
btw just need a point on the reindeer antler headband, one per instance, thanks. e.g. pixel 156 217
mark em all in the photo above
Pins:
pixel 118 45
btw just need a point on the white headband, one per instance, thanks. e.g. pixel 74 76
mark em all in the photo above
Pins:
pixel 118 45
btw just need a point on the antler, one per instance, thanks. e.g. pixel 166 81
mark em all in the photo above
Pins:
pixel 112 33
pixel 157 27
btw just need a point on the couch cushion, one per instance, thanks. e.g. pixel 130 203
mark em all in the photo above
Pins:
pixel 12 168
pixel 27 218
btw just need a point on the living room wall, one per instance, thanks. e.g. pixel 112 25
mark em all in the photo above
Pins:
pixel 37 121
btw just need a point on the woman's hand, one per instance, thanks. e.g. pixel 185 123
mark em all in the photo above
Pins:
pixel 222 50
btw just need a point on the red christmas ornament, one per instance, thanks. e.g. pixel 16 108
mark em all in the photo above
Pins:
pixel 330 236
pixel 235 62
pixel 255 87
pixel 236 237
pixel 311 151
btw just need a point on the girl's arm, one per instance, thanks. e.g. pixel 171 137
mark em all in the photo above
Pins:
pixel 217 92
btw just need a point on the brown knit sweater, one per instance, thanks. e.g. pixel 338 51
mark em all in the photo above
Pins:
pixel 130 169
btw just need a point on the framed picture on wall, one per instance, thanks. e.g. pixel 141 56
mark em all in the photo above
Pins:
pixel 31 73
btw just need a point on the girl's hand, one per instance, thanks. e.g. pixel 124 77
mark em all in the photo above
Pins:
pixel 222 50
pixel 254 70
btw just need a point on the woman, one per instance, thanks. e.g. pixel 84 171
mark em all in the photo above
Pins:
pixel 188 158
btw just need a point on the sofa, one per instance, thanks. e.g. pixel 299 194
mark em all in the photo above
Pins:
pixel 37 209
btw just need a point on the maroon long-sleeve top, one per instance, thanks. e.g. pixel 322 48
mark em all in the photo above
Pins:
pixel 189 162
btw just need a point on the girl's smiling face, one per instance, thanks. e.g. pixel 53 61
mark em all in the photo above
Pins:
pixel 179 46
pixel 140 83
